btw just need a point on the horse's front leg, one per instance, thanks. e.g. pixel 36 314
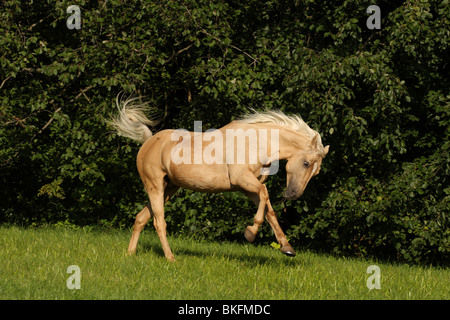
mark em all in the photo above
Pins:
pixel 251 231
pixel 254 189
pixel 271 217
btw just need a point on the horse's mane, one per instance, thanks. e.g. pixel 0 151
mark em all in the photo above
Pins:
pixel 277 117
pixel 293 122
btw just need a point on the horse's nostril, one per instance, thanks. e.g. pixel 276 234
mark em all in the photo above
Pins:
pixel 290 193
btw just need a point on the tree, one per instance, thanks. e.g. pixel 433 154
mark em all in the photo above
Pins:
pixel 379 97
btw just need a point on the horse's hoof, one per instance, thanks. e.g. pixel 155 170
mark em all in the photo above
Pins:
pixel 249 235
pixel 170 258
pixel 287 250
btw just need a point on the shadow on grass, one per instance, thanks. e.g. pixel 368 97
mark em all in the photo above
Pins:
pixel 251 257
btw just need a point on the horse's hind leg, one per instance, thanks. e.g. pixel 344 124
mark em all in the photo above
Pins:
pixel 143 217
pixel 157 204
pixel 141 220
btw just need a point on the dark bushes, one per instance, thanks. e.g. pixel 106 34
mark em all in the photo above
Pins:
pixel 379 97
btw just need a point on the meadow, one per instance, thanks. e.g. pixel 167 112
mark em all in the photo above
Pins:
pixel 34 262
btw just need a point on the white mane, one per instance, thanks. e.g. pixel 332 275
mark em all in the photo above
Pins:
pixel 277 117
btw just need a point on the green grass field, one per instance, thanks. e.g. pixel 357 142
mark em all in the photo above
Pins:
pixel 34 262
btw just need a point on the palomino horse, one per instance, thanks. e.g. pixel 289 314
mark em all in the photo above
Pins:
pixel 210 167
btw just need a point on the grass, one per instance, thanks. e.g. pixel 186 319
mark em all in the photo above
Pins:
pixel 33 264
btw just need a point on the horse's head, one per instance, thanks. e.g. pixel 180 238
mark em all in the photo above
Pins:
pixel 302 166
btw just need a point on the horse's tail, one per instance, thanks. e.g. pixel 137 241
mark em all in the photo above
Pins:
pixel 131 122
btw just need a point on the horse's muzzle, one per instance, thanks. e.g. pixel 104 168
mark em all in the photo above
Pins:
pixel 292 194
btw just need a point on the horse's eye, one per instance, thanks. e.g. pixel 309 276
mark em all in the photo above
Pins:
pixel 306 164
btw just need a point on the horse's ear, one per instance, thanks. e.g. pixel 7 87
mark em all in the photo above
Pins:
pixel 314 141
pixel 325 150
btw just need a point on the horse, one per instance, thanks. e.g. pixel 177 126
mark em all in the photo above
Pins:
pixel 209 165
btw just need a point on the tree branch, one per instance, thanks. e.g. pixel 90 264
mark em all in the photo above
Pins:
pixel 3 82
pixel 217 39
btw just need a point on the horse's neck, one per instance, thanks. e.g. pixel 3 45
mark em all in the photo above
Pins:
pixel 289 141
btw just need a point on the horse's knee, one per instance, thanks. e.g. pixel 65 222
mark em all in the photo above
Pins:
pixel 159 224
pixel 142 219
pixel 258 220
pixel 263 194
pixel 270 214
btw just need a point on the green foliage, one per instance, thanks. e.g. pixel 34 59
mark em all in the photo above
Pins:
pixel 214 217
pixel 379 97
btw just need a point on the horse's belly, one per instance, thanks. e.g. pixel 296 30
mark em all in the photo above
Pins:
pixel 201 177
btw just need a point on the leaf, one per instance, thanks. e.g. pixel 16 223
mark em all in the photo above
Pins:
pixel 275 245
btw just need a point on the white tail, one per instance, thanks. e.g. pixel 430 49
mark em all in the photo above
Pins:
pixel 131 122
